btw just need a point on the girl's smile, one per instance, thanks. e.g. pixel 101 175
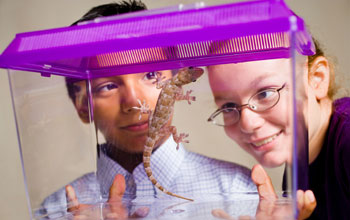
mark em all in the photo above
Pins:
pixel 265 144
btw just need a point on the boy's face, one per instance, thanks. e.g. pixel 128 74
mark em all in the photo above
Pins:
pixel 265 135
pixel 114 99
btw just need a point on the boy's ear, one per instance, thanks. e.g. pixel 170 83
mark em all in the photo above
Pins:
pixel 319 75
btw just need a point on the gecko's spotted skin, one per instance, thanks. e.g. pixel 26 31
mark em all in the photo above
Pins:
pixel 171 91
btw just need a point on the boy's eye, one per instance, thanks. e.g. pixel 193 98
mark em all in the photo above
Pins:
pixel 151 75
pixel 106 87
pixel 76 88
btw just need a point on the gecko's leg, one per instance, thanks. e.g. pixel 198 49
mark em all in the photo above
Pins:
pixel 144 108
pixel 178 138
pixel 180 96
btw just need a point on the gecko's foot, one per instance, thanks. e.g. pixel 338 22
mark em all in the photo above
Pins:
pixel 159 80
pixel 144 108
pixel 186 97
pixel 180 139
pixel 177 138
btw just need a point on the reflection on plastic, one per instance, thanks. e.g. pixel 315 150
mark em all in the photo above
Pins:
pixel 233 206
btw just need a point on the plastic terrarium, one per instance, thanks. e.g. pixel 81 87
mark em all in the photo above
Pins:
pixel 83 96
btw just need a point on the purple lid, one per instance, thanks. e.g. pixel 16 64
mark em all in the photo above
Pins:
pixel 122 44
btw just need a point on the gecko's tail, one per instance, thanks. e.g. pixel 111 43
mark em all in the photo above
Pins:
pixel 155 182
pixel 161 188
pixel 147 152
pixel 178 196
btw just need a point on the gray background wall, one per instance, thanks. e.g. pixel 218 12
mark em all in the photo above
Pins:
pixel 328 21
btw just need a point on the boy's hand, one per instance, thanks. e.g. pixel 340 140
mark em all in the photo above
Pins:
pixel 114 210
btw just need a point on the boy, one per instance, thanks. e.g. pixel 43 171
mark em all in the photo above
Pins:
pixel 115 101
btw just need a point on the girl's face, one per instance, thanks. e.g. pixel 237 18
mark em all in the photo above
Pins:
pixel 265 135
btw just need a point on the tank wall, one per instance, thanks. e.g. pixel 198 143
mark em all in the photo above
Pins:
pixel 37 14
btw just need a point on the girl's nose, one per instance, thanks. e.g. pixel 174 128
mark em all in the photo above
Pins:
pixel 250 121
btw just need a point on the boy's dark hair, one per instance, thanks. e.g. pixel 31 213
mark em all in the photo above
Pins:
pixel 104 11
pixel 112 9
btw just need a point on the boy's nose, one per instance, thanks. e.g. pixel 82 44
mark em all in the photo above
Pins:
pixel 130 97
pixel 250 121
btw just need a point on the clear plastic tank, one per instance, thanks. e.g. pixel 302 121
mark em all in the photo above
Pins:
pixel 83 97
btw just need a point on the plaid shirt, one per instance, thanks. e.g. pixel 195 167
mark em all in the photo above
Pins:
pixel 179 171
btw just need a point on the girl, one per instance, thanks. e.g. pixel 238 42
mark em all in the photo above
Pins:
pixel 262 130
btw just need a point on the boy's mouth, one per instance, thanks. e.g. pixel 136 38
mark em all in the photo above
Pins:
pixel 142 126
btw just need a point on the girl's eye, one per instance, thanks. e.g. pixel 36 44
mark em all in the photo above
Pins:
pixel 106 87
pixel 227 107
pixel 151 75
pixel 266 94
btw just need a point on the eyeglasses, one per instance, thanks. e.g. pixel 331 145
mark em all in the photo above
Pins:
pixel 229 113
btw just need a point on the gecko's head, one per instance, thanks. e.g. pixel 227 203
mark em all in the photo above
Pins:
pixel 189 75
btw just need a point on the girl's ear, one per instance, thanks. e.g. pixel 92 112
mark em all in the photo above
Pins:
pixel 319 74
